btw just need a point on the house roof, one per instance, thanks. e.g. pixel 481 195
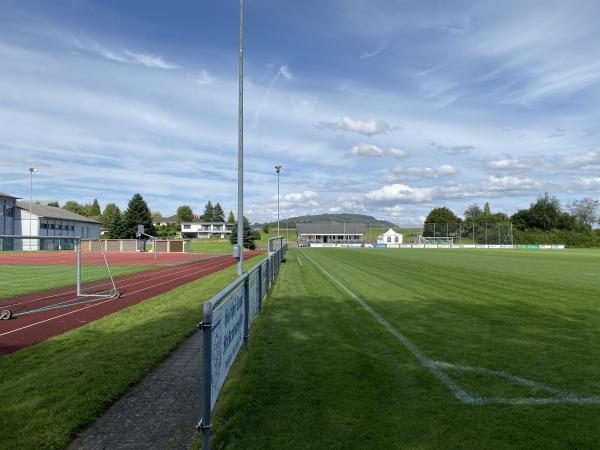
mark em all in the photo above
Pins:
pixel 330 228
pixel 52 212
pixel 391 232
pixel 2 194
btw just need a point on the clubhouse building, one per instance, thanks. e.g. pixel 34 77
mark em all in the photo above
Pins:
pixel 330 234
pixel 205 230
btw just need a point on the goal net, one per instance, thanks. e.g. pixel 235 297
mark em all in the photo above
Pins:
pixel 39 273
pixel 438 240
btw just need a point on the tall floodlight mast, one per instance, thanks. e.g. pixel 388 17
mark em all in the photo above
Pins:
pixel 240 224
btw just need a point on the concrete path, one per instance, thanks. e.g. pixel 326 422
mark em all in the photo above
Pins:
pixel 160 412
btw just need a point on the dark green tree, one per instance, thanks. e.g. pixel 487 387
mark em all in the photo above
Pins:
pixel 138 213
pixel 185 214
pixel 249 236
pixel 231 218
pixel 208 212
pixel 117 229
pixel 110 211
pixel 55 204
pixel 442 215
pixel 218 215
pixel 94 209
pixel 265 228
pixel 74 207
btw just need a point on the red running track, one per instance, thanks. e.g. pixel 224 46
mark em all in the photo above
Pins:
pixel 31 329
pixel 114 258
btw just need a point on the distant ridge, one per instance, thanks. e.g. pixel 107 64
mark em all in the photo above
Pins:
pixel 331 218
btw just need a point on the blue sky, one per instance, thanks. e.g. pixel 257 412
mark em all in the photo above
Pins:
pixel 382 107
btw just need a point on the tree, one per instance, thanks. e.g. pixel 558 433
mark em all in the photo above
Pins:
pixel 55 204
pixel 545 214
pixel 117 229
pixel 156 215
pixel 585 211
pixel 110 211
pixel 208 212
pixel 265 228
pixel 218 215
pixel 473 214
pixel 138 213
pixel 185 214
pixel 74 207
pixel 249 236
pixel 94 209
pixel 441 215
pixel 231 218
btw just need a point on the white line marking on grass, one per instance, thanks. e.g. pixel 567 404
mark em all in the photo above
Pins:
pixel 300 261
pixel 436 368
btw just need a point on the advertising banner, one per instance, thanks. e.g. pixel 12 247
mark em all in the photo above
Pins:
pixel 227 338
pixel 254 296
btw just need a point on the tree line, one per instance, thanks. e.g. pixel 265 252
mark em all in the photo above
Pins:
pixel 545 221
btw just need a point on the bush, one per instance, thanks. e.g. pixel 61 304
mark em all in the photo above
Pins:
pixel 584 239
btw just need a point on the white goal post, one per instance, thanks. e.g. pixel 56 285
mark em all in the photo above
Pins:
pixel 41 273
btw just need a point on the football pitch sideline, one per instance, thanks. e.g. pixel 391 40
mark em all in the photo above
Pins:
pixel 422 349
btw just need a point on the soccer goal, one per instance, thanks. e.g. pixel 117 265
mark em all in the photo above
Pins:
pixel 42 273
pixel 438 240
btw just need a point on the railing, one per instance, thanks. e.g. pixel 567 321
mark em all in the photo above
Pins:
pixel 226 321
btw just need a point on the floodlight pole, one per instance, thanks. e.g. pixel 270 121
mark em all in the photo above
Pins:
pixel 31 170
pixel 240 236
pixel 278 169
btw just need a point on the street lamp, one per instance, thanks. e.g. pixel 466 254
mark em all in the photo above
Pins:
pixel 278 169
pixel 31 170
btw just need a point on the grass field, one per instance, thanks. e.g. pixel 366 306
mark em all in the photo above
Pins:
pixel 51 390
pixel 25 279
pixel 423 349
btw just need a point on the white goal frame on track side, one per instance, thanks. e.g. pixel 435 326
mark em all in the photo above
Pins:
pixel 65 243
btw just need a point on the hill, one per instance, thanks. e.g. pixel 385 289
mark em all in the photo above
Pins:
pixel 332 218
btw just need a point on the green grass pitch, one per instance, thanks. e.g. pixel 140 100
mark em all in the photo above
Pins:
pixel 449 349
pixel 26 279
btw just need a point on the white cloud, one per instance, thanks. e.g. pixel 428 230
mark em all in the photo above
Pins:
pixel 204 78
pixel 400 192
pixel 126 56
pixel 368 127
pixel 400 173
pixel 370 54
pixel 589 183
pixel 453 149
pixel 511 183
pixel 507 164
pixel 396 153
pixel 298 199
pixel 364 149
pixel 395 210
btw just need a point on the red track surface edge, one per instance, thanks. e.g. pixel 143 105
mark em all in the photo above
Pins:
pixel 28 330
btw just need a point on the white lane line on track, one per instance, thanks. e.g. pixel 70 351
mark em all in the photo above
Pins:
pixel 152 273
pixel 436 367
pixel 109 300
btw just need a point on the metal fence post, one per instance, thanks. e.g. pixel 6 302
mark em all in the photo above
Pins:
pixel 78 252
pixel 205 424
pixel 260 287
pixel 246 309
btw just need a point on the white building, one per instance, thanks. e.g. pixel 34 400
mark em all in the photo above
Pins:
pixel 390 237
pixel 330 234
pixel 205 230
pixel 54 222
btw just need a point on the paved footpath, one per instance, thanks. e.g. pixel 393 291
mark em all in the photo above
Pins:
pixel 160 412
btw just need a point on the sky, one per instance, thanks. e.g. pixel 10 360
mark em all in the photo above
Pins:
pixel 387 108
